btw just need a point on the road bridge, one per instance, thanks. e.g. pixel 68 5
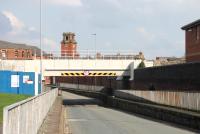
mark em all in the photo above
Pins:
pixel 107 66
pixel 83 65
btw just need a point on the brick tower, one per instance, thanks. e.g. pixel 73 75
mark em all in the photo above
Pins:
pixel 69 45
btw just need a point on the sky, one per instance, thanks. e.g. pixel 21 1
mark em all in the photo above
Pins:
pixel 150 26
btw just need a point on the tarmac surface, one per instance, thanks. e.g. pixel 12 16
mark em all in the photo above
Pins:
pixel 86 116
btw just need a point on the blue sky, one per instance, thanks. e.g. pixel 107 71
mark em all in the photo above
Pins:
pixel 150 26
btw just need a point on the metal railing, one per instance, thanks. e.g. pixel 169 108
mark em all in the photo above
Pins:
pixel 84 54
pixel 91 54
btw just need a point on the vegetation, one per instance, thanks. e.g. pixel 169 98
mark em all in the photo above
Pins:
pixel 141 65
pixel 8 99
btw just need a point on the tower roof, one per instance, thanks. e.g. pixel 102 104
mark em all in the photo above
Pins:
pixel 69 38
pixel 68 33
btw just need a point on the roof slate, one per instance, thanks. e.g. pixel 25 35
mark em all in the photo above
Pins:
pixel 195 23
pixel 9 45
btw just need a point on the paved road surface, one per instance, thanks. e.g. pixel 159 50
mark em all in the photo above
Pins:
pixel 85 117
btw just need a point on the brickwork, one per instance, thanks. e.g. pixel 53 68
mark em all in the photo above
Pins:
pixel 192 40
pixel 16 54
pixel 193 58
pixel 69 45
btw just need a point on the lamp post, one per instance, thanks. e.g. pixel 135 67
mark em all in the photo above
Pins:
pixel 95 51
pixel 41 46
pixel 95 41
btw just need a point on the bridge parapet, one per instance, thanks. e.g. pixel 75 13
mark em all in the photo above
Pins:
pixel 94 55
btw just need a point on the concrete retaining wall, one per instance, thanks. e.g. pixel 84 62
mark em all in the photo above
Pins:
pixel 181 99
pixel 27 116
pixel 185 118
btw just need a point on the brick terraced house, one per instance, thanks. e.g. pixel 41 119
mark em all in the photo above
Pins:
pixel 192 39
pixel 13 51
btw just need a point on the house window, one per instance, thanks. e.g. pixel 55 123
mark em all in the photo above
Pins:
pixel 3 53
pixel 198 33
pixel 28 54
pixel 16 53
pixel 22 53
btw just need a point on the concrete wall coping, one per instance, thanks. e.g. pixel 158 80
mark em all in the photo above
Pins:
pixel 12 106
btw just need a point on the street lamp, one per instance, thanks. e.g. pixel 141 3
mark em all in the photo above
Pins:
pixel 95 40
pixel 41 46
pixel 95 55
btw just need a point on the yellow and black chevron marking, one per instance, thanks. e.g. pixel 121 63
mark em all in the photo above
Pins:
pixel 89 74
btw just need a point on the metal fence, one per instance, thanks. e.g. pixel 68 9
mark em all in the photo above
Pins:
pixel 181 99
pixel 91 54
pixel 27 116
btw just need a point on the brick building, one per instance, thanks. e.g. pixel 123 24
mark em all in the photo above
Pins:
pixel 192 39
pixel 163 61
pixel 13 51
pixel 69 45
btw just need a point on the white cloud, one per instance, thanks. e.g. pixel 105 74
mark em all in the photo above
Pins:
pixel 18 28
pixel 108 44
pixel 49 44
pixel 33 29
pixel 17 25
pixel 66 2
pixel 115 3
pixel 143 32
pixel 5 25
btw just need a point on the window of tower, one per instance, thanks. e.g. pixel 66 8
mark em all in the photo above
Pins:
pixel 67 38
